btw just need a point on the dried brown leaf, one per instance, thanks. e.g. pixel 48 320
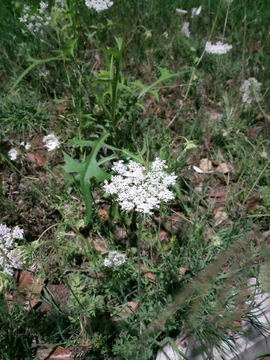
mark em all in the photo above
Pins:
pixel 131 308
pixel 102 250
pixel 182 272
pixel 220 217
pixel 36 158
pixel 29 289
pixel 162 236
pixel 214 161
pixel 230 81
pixel 207 77
pixel 104 215
pixel 223 168
pixel 146 273
pixel 253 205
pixel 217 195
pixel 206 165
pixel 58 353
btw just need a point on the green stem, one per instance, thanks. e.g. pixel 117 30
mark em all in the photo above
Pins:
pixel 244 40
pixel 139 260
pixel 213 27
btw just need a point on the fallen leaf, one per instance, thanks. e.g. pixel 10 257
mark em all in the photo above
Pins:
pixel 207 77
pixel 215 115
pixel 253 205
pixel 102 250
pixel 214 161
pixel 197 169
pixel 133 305
pixel 29 289
pixel 58 353
pixel 104 215
pixel 146 273
pixel 206 165
pixel 162 236
pixel 230 81
pixel 99 245
pixel 182 272
pixel 223 168
pixel 217 195
pixel 36 158
pixel 219 209
pixel 220 217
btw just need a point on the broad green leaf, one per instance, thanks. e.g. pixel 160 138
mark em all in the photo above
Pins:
pixel 68 47
pixel 89 36
pixel 119 42
pixel 56 100
pixel 115 53
pixel 141 106
pixel 146 89
pixel 55 16
pixel 89 168
pixel 165 74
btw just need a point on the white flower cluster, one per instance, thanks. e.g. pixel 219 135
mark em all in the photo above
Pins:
pixel 13 153
pixel 9 258
pixel 115 259
pixel 251 89
pixel 43 7
pixel 59 6
pixel 219 48
pixel 139 189
pixel 185 29
pixel 196 11
pixel 34 22
pixel 98 5
pixel 51 142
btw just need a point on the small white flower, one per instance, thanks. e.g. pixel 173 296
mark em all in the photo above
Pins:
pixel 138 189
pixel 43 7
pixel 166 35
pixel 13 153
pixel 27 146
pixel 219 48
pixel 10 258
pixel 22 143
pixel 108 262
pixel 251 90
pixel 115 259
pixel 51 142
pixel 17 233
pixel 30 26
pixel 180 11
pixel 98 5
pixel 196 11
pixel 185 29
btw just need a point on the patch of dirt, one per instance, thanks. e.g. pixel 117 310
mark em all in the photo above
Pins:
pixel 59 294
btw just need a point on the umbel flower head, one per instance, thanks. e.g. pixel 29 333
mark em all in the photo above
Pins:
pixel 138 189
pixel 98 5
pixel 251 90
pixel 51 142
pixel 115 259
pixel 185 29
pixel 219 48
pixel 13 153
pixel 10 256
